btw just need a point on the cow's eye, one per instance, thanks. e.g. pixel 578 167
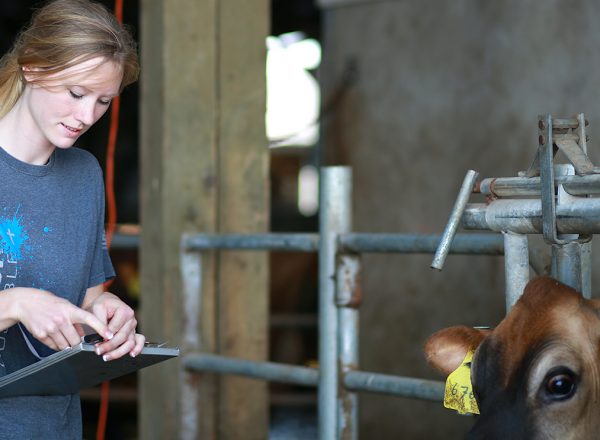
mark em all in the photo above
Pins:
pixel 561 384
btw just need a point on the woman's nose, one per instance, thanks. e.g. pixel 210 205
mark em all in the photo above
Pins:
pixel 85 112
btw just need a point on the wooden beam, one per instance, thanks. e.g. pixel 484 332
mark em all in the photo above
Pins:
pixel 204 169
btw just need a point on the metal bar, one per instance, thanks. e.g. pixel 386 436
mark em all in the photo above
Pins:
pixel 454 220
pixel 563 123
pixel 578 216
pixel 568 264
pixel 271 371
pixel 546 156
pixel 334 212
pixel 274 241
pixel 516 266
pixel 355 380
pixel 479 244
pixel 530 186
pixel 396 385
pixel 191 279
pixel 586 269
pixel 348 298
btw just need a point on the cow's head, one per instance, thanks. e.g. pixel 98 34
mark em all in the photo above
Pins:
pixel 536 375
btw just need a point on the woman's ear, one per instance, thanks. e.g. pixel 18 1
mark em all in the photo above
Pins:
pixel 446 349
pixel 27 73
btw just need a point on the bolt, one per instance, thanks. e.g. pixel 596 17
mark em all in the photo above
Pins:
pixel 541 124
pixel 542 139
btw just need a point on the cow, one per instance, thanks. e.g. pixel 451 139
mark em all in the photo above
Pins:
pixel 537 374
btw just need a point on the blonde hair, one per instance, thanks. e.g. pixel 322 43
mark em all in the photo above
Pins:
pixel 61 34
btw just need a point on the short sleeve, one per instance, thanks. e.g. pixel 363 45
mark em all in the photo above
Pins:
pixel 101 269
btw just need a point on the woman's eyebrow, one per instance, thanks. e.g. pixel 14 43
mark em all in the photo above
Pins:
pixel 88 90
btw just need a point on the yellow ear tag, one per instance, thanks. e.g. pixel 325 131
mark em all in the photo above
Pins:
pixel 459 390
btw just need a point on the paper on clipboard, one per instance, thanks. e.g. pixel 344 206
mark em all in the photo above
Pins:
pixel 76 368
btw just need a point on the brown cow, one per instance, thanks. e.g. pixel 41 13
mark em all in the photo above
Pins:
pixel 536 375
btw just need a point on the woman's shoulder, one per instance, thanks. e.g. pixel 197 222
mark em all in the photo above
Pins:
pixel 78 158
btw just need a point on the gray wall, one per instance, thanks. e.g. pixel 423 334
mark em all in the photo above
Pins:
pixel 441 88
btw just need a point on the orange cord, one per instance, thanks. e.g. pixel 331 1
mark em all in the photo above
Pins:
pixel 111 208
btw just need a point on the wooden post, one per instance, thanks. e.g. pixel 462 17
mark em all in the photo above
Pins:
pixel 204 169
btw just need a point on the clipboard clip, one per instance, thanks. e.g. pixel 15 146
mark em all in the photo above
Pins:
pixel 95 338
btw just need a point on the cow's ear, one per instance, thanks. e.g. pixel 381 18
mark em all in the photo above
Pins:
pixel 446 349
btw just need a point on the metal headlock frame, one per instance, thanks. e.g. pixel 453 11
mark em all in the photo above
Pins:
pixel 567 222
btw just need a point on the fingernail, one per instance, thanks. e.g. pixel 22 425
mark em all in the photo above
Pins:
pixel 132 354
pixel 109 335
pixel 105 358
pixel 98 351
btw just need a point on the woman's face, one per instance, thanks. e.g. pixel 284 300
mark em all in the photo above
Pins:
pixel 65 105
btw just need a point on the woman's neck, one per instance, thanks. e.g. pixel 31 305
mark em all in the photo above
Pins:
pixel 22 139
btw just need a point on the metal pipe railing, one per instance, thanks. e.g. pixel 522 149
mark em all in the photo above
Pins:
pixel 466 244
pixel 334 219
pixel 516 266
pixel 575 216
pixel 295 242
pixel 531 186
pixel 356 242
pixel 338 377
pixel 305 376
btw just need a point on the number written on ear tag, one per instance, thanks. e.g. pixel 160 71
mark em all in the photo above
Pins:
pixel 459 389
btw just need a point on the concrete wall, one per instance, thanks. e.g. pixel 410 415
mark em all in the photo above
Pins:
pixel 439 89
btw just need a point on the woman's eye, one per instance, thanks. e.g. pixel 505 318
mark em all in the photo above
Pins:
pixel 560 385
pixel 103 102
pixel 75 95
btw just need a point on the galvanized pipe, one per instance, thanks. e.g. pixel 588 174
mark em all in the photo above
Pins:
pixel 578 216
pixel 348 298
pixel 333 220
pixel 516 266
pixel 275 242
pixel 586 269
pixel 568 264
pixel 468 244
pixel 271 371
pixel 531 186
pixel 457 212
pixel 191 279
pixel 396 385
pixel 355 380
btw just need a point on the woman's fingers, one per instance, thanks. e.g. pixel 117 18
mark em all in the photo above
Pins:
pixel 140 340
pixel 80 316
pixel 126 332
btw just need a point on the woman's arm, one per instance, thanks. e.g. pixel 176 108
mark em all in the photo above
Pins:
pixel 120 320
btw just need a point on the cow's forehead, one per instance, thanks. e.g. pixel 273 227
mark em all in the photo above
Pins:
pixel 547 312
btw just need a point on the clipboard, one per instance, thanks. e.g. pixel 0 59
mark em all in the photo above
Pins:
pixel 76 368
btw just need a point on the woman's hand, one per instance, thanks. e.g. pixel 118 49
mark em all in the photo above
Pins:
pixel 51 319
pixel 120 320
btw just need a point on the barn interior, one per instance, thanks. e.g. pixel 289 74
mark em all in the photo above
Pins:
pixel 239 107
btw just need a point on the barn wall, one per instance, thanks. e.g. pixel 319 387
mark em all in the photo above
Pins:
pixel 416 96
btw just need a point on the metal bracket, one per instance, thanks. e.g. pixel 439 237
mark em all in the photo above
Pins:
pixel 551 139
pixel 568 136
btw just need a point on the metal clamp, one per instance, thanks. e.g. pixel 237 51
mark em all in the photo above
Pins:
pixel 551 139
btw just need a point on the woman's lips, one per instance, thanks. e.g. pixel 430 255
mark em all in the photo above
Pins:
pixel 71 131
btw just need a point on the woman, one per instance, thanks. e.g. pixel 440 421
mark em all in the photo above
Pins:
pixel 55 83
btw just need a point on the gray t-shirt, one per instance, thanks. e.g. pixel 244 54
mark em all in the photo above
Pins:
pixel 51 238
